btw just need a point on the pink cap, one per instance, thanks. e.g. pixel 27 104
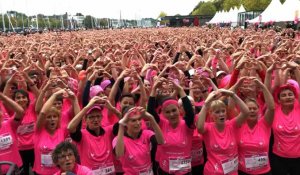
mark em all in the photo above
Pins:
pixel 105 83
pixel 293 83
pixel 95 107
pixel 95 90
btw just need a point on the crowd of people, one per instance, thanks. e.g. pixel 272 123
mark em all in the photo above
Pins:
pixel 169 101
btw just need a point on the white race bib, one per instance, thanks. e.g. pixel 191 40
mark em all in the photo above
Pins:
pixel 5 141
pixel 180 164
pixel 25 128
pixel 46 160
pixel 230 165
pixel 197 154
pixel 104 170
pixel 254 162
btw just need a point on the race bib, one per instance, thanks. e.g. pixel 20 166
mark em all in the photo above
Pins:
pixel 180 164
pixel 230 165
pixel 254 162
pixel 46 160
pixel 26 128
pixel 5 141
pixel 104 170
pixel 148 172
pixel 197 154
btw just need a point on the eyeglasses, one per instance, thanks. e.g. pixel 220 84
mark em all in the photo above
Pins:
pixel 64 156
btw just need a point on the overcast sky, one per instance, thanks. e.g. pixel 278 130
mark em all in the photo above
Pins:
pixel 130 9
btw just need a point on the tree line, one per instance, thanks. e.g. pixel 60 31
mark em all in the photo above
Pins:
pixel 212 6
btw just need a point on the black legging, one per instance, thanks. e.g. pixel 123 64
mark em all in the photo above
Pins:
pixel 284 166
pixel 28 160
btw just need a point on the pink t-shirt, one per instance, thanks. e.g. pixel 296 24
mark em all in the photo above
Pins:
pixel 222 152
pixel 25 131
pixel 253 145
pixel 44 144
pixel 8 144
pixel 286 129
pixel 4 112
pixel 96 152
pixel 137 154
pixel 79 170
pixel 174 156
pixel 197 149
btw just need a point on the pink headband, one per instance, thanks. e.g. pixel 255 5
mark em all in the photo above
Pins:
pixel 169 102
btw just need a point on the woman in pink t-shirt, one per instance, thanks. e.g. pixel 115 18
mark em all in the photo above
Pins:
pixel 94 141
pixel 8 138
pixel 49 133
pixel 25 131
pixel 174 156
pixel 65 156
pixel 254 136
pixel 285 157
pixel 133 145
pixel 219 136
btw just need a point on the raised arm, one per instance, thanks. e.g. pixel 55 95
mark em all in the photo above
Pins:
pixel 204 111
pixel 115 87
pixel 72 126
pixel 13 105
pixel 269 101
pixel 158 133
pixel 187 106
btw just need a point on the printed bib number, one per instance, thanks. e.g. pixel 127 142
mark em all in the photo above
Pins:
pixel 179 164
pixel 197 154
pixel 148 172
pixel 25 128
pixel 230 165
pixel 104 171
pixel 5 141
pixel 254 162
pixel 46 160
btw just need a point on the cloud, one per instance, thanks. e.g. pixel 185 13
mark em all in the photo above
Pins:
pixel 130 9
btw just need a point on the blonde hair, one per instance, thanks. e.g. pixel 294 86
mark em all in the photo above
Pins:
pixel 216 104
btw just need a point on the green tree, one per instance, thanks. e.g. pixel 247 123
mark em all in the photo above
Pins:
pixel 197 6
pixel 103 22
pixel 88 21
pixel 255 5
pixel 218 4
pixel 207 8
pixel 162 14
pixel 228 4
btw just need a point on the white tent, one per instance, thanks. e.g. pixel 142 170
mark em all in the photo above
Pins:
pixel 270 13
pixel 242 9
pixel 214 19
pixel 219 16
pixel 289 10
